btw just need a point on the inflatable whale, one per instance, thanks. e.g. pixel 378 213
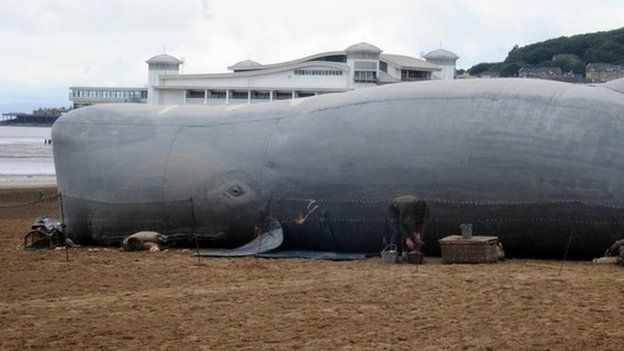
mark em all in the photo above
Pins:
pixel 534 162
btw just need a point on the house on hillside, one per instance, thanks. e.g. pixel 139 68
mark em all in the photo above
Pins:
pixel 553 73
pixel 603 72
pixel 550 73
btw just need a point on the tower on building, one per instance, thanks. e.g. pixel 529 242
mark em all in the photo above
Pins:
pixel 445 59
pixel 363 59
pixel 157 66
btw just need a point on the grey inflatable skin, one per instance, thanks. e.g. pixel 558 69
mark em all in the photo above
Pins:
pixel 531 161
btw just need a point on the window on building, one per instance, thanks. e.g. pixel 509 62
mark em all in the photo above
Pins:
pixel 282 95
pixel 383 66
pixel 331 58
pixel 408 75
pixel 364 55
pixel 369 65
pixel 302 94
pixel 260 95
pixel 317 72
pixel 195 94
pixel 163 66
pixel 365 77
pixel 144 94
pixel 239 95
pixel 217 94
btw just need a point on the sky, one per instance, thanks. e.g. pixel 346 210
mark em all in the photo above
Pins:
pixel 49 45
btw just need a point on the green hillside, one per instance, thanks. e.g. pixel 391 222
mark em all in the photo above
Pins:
pixel 606 47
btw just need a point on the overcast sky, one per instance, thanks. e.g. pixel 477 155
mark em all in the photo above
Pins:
pixel 48 45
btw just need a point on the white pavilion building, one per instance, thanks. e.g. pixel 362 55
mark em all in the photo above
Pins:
pixel 359 66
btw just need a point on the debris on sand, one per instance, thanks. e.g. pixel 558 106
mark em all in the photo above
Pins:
pixel 145 240
pixel 613 255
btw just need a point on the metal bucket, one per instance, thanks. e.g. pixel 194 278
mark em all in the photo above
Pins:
pixel 389 255
pixel 466 230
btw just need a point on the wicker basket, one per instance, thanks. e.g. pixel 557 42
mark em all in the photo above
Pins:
pixel 479 249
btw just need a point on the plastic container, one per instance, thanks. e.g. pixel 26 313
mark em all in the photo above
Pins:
pixel 389 255
pixel 466 230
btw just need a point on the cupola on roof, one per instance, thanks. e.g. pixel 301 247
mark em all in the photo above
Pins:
pixel 440 54
pixel 363 48
pixel 164 59
pixel 245 64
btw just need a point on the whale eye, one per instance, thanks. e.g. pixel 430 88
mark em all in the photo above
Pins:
pixel 236 191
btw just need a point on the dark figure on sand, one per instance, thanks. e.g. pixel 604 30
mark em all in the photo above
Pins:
pixel 406 219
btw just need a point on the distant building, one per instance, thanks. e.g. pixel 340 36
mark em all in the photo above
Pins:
pixel 445 59
pixel 552 73
pixel 603 72
pixel 41 116
pixel 85 96
pixel 359 66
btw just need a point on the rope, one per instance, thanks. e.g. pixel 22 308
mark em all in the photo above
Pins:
pixel 315 217
pixel 376 202
pixel 463 220
pixel 182 200
pixel 452 202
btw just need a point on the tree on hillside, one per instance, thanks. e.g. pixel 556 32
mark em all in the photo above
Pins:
pixel 480 68
pixel 606 47
pixel 567 65
pixel 509 70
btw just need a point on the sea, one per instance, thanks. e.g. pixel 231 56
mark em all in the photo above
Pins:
pixel 25 158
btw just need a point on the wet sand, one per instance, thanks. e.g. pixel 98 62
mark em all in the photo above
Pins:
pixel 115 300
pixel 25 160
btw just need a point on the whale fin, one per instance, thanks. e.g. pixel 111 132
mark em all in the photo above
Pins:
pixel 263 243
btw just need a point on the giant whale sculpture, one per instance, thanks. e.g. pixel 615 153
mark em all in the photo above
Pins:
pixel 534 162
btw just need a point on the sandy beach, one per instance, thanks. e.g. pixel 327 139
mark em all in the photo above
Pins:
pixel 107 299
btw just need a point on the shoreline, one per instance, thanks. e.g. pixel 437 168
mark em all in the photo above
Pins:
pixel 20 184
pixel 27 186
pixel 42 125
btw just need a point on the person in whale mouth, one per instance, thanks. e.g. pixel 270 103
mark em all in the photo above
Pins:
pixel 406 220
